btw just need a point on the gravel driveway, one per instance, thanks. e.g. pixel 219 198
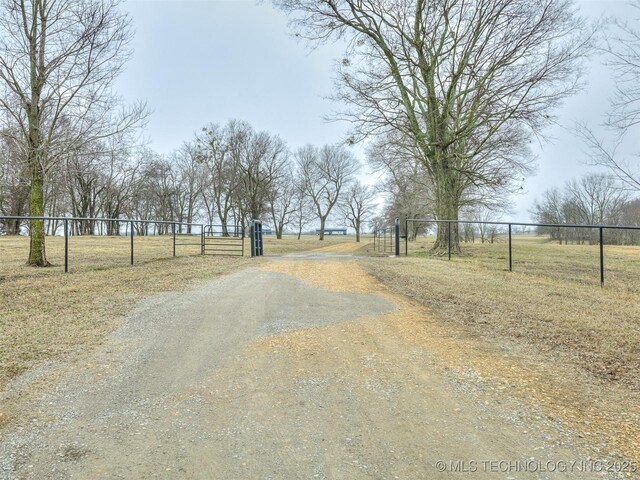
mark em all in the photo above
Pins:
pixel 262 375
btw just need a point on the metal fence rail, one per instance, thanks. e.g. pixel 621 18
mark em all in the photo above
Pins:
pixel 196 234
pixel 223 240
pixel 383 236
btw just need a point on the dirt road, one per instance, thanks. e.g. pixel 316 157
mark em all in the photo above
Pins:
pixel 302 367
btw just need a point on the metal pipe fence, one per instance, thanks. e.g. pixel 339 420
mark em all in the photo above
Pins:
pixel 594 234
pixel 182 234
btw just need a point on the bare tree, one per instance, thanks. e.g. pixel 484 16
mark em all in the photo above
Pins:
pixel 406 184
pixel 484 216
pixel 357 205
pixel 303 208
pixel 551 209
pixel 189 177
pixel 220 149
pixel 155 191
pixel 58 61
pixel 244 168
pixel 467 81
pixel 631 217
pixel 594 199
pixel 261 163
pixel 282 201
pixel 325 173
pixel 83 169
pixel 119 177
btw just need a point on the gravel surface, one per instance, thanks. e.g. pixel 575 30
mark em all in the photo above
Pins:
pixel 262 375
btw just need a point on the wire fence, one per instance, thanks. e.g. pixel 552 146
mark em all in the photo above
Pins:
pixel 130 240
pixel 457 236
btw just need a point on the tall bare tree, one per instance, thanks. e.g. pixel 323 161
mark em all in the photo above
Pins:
pixel 467 81
pixel 190 175
pixel 357 205
pixel 219 148
pixel 120 176
pixel 58 61
pixel 325 173
pixel 282 201
pixel 303 208
pixel 261 163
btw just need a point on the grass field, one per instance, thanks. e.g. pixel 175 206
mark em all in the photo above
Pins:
pixel 543 259
pixel 552 299
pixel 45 313
pixel 90 253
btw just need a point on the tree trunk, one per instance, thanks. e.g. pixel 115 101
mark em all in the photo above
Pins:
pixel 36 156
pixel 322 223
pixel 357 232
pixel 13 227
pixel 37 254
pixel 447 208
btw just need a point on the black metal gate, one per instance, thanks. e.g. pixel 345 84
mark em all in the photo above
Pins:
pixel 386 240
pixel 223 240
pixel 257 248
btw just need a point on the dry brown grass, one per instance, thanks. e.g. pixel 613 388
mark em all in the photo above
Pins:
pixel 597 330
pixel 541 258
pixel 89 253
pixel 291 244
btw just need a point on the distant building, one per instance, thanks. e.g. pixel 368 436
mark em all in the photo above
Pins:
pixel 332 231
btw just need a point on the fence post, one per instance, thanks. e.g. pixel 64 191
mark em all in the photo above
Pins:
pixel 174 239
pixel 449 237
pixel 66 246
pixel 601 257
pixel 384 247
pixel 406 237
pixel 397 227
pixel 243 230
pixel 252 232
pixel 202 246
pixel 510 252
pixel 131 226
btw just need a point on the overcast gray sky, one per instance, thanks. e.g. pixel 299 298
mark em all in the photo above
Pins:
pixel 205 61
